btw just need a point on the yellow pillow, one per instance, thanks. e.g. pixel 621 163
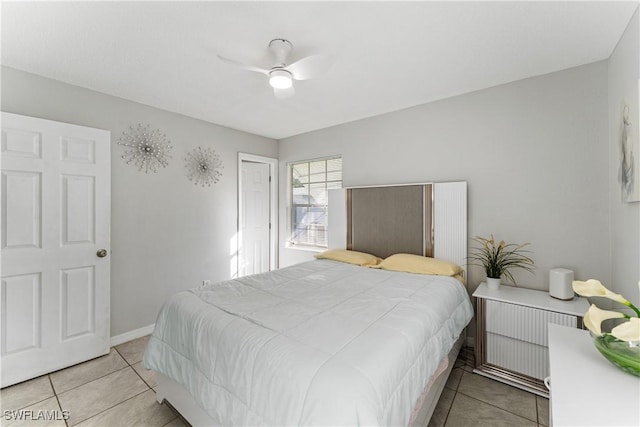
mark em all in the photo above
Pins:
pixel 351 257
pixel 420 264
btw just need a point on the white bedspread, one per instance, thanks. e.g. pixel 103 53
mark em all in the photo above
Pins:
pixel 318 343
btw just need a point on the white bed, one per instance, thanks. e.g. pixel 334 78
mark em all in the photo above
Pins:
pixel 325 342
pixel 318 343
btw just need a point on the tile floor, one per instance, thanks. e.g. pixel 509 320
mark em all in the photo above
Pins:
pixel 472 400
pixel 112 390
pixel 115 390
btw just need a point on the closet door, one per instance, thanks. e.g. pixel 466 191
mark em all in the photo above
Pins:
pixel 255 218
pixel 55 246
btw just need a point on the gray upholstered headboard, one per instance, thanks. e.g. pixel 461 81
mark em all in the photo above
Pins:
pixel 388 220
pixel 424 219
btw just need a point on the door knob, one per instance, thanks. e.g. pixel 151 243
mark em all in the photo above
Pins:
pixel 102 253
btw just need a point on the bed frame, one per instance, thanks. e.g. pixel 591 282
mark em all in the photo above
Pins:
pixel 437 210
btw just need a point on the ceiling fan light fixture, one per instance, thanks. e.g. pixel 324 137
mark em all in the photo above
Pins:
pixel 280 79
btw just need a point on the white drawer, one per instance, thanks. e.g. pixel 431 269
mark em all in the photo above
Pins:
pixel 519 356
pixel 523 323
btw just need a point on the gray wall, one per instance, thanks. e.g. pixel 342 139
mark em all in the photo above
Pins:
pixel 624 72
pixel 534 153
pixel 166 234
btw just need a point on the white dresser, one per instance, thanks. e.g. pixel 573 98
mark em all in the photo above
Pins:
pixel 587 390
pixel 512 333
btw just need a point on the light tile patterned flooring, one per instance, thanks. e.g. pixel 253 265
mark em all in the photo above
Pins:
pixel 112 390
pixel 472 400
pixel 116 391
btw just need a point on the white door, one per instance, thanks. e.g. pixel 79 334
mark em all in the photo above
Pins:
pixel 255 218
pixel 56 193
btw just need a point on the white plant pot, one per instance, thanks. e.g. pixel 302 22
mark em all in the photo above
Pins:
pixel 493 283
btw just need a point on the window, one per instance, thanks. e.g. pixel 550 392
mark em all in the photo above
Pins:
pixel 309 182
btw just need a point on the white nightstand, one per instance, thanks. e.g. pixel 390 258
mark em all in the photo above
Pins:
pixel 587 390
pixel 512 334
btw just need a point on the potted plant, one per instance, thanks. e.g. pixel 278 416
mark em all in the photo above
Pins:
pixel 498 258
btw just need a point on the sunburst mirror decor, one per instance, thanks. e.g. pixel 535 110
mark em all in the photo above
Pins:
pixel 147 148
pixel 204 166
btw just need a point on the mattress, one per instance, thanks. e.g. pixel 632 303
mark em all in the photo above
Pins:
pixel 317 343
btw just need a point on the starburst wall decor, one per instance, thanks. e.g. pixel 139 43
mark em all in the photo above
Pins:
pixel 147 148
pixel 203 166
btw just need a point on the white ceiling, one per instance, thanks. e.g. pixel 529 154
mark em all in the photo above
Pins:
pixel 389 55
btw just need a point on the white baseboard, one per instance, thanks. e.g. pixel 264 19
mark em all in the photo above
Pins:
pixel 132 335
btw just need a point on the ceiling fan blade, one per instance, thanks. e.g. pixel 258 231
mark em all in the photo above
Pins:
pixel 310 67
pixel 284 93
pixel 244 66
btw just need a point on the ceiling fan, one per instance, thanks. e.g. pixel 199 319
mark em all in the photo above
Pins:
pixel 282 75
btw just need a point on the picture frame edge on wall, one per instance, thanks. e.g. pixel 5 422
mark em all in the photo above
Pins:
pixel 629 148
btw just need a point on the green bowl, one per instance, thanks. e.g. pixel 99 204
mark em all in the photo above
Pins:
pixel 624 355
